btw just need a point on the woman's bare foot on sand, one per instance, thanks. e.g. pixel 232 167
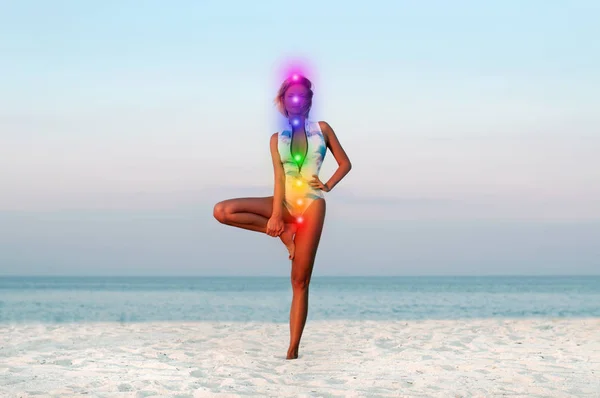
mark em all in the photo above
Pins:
pixel 292 353
pixel 287 237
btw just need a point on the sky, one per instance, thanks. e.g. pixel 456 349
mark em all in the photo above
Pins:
pixel 473 130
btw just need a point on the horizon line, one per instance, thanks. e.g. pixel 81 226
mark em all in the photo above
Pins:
pixel 286 277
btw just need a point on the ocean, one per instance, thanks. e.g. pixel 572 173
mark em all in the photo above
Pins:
pixel 267 299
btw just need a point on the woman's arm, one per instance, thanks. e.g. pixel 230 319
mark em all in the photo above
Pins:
pixel 279 189
pixel 338 153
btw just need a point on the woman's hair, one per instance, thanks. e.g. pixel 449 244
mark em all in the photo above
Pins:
pixel 295 79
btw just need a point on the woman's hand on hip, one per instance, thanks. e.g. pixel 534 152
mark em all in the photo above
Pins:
pixel 318 184
pixel 275 226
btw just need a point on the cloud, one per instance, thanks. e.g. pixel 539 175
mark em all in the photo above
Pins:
pixel 127 199
pixel 482 206
pixel 356 199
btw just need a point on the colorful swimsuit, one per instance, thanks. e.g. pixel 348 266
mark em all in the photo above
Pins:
pixel 299 169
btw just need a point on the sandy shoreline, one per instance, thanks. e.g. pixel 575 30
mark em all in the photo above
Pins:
pixel 545 357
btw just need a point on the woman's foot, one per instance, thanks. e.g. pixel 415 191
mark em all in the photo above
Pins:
pixel 287 237
pixel 292 353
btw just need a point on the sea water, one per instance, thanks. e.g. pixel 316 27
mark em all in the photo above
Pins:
pixel 267 299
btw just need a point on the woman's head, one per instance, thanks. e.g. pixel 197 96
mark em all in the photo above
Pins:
pixel 294 97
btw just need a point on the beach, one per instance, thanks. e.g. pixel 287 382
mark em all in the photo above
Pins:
pixel 535 357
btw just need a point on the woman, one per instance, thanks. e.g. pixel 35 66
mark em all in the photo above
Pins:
pixel 296 211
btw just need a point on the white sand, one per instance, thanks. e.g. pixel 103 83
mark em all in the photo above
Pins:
pixel 483 358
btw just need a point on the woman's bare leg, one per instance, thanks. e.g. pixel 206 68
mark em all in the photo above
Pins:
pixel 253 214
pixel 307 242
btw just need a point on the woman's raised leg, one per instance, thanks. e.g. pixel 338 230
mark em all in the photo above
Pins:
pixel 253 214
pixel 247 213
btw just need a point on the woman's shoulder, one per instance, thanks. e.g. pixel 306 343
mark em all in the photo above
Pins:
pixel 273 141
pixel 279 136
pixel 325 129
pixel 323 125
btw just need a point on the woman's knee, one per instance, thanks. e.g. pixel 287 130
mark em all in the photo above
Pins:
pixel 300 282
pixel 220 212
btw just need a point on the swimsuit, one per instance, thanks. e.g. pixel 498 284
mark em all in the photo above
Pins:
pixel 300 167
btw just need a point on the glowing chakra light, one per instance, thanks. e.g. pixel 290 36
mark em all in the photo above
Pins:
pixel 300 220
pixel 295 77
pixel 295 122
pixel 299 201
pixel 298 182
pixel 298 158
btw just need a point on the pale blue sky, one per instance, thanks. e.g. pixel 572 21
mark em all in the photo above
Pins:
pixel 473 128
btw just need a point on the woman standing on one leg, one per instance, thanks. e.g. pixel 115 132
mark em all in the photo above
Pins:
pixel 296 211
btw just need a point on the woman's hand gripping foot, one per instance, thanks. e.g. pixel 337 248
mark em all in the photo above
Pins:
pixel 286 232
pixel 287 237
